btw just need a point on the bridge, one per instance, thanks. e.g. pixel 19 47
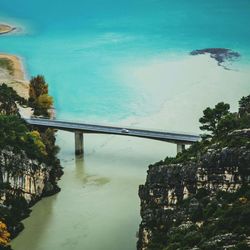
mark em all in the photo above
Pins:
pixel 180 139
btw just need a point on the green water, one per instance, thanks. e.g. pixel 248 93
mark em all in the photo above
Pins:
pixel 98 206
pixel 106 61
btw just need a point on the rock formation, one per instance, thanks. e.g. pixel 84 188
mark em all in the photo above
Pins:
pixel 200 202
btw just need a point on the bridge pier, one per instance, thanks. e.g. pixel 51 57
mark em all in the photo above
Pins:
pixel 80 128
pixel 78 143
pixel 180 147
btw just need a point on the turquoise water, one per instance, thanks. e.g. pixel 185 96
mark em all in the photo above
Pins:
pixel 80 46
pixel 107 61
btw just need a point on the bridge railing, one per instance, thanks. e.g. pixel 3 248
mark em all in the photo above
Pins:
pixel 129 127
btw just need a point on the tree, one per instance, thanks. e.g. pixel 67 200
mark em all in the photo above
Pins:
pixel 212 117
pixel 12 131
pixel 36 137
pixel 228 123
pixel 49 139
pixel 4 235
pixel 15 133
pixel 38 87
pixel 42 105
pixel 244 106
pixel 9 99
pixel 39 99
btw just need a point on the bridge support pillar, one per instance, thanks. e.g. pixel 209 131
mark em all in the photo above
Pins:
pixel 78 143
pixel 180 148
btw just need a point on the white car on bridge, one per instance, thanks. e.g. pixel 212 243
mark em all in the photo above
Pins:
pixel 124 130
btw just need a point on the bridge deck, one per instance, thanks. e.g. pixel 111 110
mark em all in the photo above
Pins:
pixel 93 128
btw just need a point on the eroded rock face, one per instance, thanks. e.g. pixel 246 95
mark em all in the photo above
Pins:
pixel 165 185
pixel 228 167
pixel 225 169
pixel 28 176
pixel 23 181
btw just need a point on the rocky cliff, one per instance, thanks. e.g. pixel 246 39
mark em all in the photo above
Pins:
pixel 201 201
pixel 23 181
pixel 29 167
pixel 183 200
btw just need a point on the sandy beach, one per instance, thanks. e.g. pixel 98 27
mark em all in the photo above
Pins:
pixel 16 77
pixel 4 28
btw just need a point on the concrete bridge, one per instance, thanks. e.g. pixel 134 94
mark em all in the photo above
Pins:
pixel 80 128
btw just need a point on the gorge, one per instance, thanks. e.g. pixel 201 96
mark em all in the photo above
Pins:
pixel 151 65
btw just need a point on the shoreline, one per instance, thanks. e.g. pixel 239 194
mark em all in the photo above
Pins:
pixel 18 71
pixel 125 156
pixel 12 73
pixel 16 77
pixel 5 29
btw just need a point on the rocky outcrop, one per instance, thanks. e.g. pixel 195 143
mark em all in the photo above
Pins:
pixel 29 167
pixel 23 182
pixel 176 198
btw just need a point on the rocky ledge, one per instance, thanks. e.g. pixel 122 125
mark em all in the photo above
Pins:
pixel 202 203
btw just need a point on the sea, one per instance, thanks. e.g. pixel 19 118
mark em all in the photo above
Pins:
pixel 126 63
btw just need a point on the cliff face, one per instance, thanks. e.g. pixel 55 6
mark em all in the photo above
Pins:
pixel 188 205
pixel 29 167
pixel 32 178
pixel 23 181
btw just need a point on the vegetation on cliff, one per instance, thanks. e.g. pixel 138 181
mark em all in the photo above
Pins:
pixel 201 198
pixel 4 236
pixel 39 98
pixel 7 64
pixel 219 124
pixel 29 168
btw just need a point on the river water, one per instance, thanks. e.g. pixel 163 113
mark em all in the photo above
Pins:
pixel 122 63
pixel 98 207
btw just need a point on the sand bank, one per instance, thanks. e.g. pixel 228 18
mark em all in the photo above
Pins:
pixel 4 28
pixel 14 77
pixel 18 71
